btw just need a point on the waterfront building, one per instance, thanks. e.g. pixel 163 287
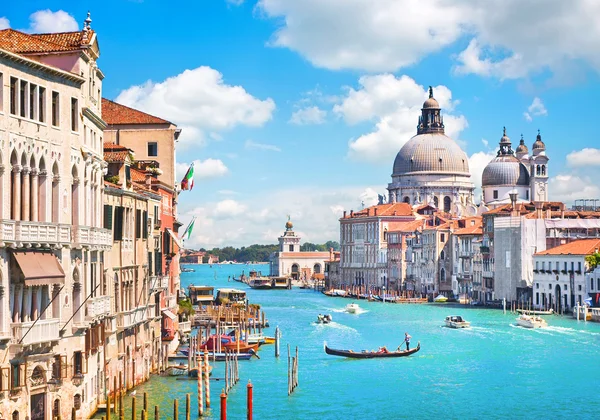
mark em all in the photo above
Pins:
pixel 466 244
pixel 290 262
pixel 194 257
pixel 399 256
pixel 363 242
pixel 592 286
pixel 431 168
pixel 560 274
pixel 332 270
pixel 54 298
pixel 151 142
pixel 518 173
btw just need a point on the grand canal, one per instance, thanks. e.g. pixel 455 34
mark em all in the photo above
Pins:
pixel 493 370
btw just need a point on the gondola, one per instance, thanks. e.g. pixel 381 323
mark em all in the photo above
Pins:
pixel 371 354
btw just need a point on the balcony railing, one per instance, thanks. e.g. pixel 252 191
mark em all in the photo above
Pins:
pixel 170 302
pixel 97 308
pixel 129 319
pixel 20 232
pixel 90 236
pixel 465 276
pixel 44 331
pixel 158 283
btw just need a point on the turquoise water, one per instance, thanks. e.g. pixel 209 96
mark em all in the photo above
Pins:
pixel 493 370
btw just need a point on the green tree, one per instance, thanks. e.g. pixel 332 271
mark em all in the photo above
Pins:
pixel 593 260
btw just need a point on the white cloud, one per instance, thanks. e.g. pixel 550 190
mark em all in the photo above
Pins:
pixel 394 105
pixel 203 169
pixel 308 115
pixel 4 23
pixel 250 145
pixel 45 21
pixel 257 218
pixel 199 98
pixel 510 38
pixel 568 187
pixel 536 109
pixel 588 156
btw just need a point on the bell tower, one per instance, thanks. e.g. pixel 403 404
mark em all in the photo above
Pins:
pixel 289 242
pixel 538 164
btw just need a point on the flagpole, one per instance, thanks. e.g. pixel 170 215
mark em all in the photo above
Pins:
pixel 186 228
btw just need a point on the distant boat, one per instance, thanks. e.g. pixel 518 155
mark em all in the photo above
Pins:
pixel 352 308
pixel 365 354
pixel 531 321
pixel 535 311
pixel 187 270
pixel 440 299
pixel 456 321
pixel 323 319
pixel 260 283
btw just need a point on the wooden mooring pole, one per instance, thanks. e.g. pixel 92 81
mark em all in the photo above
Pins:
pixel 207 380
pixel 187 407
pixel 200 390
pixel 277 336
pixel 175 409
pixel 133 416
pixel 249 400
pixel 223 405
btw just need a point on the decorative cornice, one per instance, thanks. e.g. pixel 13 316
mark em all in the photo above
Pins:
pixel 36 64
pixel 99 122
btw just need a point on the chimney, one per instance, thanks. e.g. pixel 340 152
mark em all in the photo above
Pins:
pixel 513 204
pixel 562 210
pixel 394 212
pixel 344 214
pixel 375 211
pixel 538 209
pixel 330 254
pixel 351 213
pixel 368 212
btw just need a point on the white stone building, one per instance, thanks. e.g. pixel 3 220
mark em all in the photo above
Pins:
pixel 560 275
pixel 52 243
pixel 431 168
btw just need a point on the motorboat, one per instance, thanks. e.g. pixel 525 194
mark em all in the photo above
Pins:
pixel 260 283
pixel 324 319
pixel 456 321
pixel 352 308
pixel 366 354
pixel 536 311
pixel 440 299
pixel 531 321
pixel 228 344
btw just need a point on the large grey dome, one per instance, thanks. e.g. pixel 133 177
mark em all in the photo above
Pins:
pixel 426 153
pixel 505 170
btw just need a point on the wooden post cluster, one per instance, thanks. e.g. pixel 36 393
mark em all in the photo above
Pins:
pixel 232 375
pixel 292 371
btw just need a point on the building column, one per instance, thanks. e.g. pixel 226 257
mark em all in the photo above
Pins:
pixel 16 193
pixel 25 197
pixel 34 196
pixel 42 211
pixel 34 302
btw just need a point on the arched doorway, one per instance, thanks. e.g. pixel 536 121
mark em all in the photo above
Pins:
pixel 447 204
pixel 295 271
pixel 557 299
pixel 56 409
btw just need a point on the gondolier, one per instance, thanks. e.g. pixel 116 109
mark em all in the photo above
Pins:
pixel 407 340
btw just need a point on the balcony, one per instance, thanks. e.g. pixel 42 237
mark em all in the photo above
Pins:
pixel 465 277
pixel 42 233
pixel 129 319
pixel 488 274
pixel 185 326
pixel 86 236
pixel 97 308
pixel 171 302
pixel 158 283
pixel 44 331
pixel 465 254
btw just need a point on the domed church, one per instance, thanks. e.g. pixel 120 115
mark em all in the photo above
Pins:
pixel 519 173
pixel 431 168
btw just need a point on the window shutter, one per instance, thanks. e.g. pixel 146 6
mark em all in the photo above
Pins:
pixel 4 379
pixel 118 229
pixel 88 339
pixel 108 215
pixel 63 366
pixel 145 224
pixel 138 221
pixel 150 265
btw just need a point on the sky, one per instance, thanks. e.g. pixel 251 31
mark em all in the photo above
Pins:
pixel 299 107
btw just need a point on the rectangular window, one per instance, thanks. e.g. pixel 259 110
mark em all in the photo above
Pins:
pixel 537 298
pixel 138 224
pixel 55 109
pixel 580 287
pixel 108 214
pixel 565 266
pixel 32 101
pixel 291 248
pixel 598 288
pixel 78 363
pixel 145 221
pixel 14 95
pixel 537 264
pixel 152 148
pixel 74 114
pixel 23 99
pixel 17 375
pixel 579 266
pixel 572 266
pixel 442 237
pixel 127 174
pixel 592 284
pixel 41 104
pixel 118 227
pixel 495 194
pixel 557 265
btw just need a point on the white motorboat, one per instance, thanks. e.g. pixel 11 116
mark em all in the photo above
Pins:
pixel 352 308
pixel 531 321
pixel 456 321
pixel 324 319
pixel 440 298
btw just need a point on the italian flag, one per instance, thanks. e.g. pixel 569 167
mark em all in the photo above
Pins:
pixel 188 230
pixel 188 180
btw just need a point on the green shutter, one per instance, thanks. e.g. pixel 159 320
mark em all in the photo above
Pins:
pixel 108 215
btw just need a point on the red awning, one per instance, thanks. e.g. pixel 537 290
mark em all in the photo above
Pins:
pixel 40 268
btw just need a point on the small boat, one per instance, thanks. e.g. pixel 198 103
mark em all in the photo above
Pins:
pixel 178 370
pixel 228 344
pixel 535 311
pixel 456 321
pixel 440 299
pixel 352 308
pixel 531 321
pixel 187 270
pixel 260 283
pixel 324 319
pixel 366 354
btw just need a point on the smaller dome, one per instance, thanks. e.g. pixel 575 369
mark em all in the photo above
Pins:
pixel 539 144
pixel 522 148
pixel 431 102
pixel 505 170
pixel 505 140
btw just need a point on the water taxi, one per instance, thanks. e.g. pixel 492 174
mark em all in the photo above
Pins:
pixel 352 308
pixel 440 299
pixel 531 321
pixel 226 296
pixel 324 319
pixel 456 321
pixel 260 283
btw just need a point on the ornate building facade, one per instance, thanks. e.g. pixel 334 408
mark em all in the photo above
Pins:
pixel 431 168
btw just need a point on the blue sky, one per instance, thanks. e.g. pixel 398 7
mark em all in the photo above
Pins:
pixel 299 106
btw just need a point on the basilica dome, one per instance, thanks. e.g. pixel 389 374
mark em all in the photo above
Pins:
pixel 429 153
pixel 505 169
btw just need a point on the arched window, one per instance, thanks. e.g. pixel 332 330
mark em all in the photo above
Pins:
pixel 436 202
pixel 56 409
pixel 442 255
pixel 406 199
pixel 543 169
pixel 55 201
pixel 15 192
pixel 447 204
pixel 15 415
pixel 537 169
pixel 295 268
pixel 317 269
pixel 38 377
pixel 442 275
pixel 74 197
pixel 77 401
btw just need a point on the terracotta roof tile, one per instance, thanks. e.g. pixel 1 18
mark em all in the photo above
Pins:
pixel 405 226
pixel 115 114
pixel 138 176
pixel 580 247
pixel 115 152
pixel 21 43
pixel 390 209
